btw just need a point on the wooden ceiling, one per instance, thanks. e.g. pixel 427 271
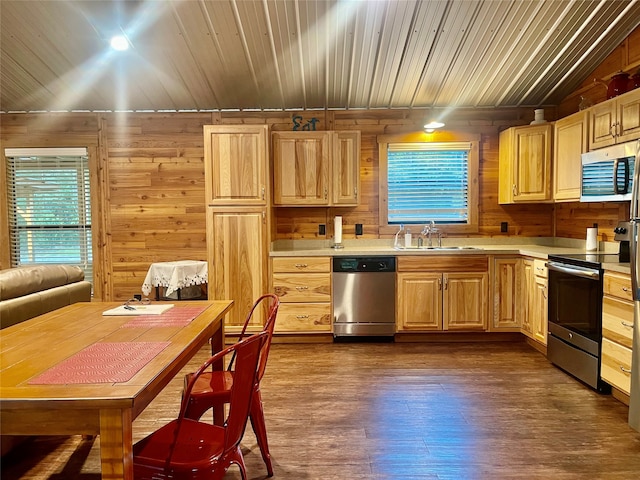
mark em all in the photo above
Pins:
pixel 200 55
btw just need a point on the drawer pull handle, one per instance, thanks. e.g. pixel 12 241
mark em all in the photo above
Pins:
pixel 302 316
pixel 625 324
pixel 625 289
pixel 625 370
pixel 302 288
pixel 301 265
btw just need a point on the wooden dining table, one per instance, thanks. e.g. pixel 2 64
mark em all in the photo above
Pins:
pixel 39 355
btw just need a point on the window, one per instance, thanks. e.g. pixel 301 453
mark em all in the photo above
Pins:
pixel 49 207
pixel 424 181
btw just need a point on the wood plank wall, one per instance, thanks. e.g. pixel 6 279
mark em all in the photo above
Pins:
pixel 149 169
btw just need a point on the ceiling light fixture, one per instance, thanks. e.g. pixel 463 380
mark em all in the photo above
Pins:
pixel 431 126
pixel 119 43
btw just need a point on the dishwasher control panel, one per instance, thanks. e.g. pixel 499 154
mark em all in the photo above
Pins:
pixel 364 264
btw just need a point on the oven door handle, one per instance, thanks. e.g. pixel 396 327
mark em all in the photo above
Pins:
pixel 573 270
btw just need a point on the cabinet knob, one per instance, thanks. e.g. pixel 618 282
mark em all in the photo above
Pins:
pixel 300 289
pixel 301 265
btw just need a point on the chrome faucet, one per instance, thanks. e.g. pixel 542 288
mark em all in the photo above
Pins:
pixel 429 230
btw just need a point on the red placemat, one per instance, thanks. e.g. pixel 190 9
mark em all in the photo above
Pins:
pixel 175 317
pixel 102 363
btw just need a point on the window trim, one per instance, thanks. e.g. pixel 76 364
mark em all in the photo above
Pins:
pixel 472 225
pixel 12 152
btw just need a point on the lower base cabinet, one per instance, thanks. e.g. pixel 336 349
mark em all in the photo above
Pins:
pixel 303 285
pixel 617 331
pixel 442 293
pixel 536 300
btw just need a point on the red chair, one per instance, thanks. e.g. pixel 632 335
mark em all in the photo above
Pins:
pixel 212 389
pixel 187 449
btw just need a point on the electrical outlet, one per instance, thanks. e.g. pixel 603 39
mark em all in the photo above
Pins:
pixel 358 229
pixel 504 227
pixel 322 229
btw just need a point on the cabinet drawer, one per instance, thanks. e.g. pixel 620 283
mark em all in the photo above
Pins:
pixel 540 268
pixel 304 317
pixel 308 287
pixel 617 285
pixel 301 264
pixel 617 320
pixel 616 365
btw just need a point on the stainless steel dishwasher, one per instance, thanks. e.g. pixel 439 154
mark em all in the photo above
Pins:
pixel 364 296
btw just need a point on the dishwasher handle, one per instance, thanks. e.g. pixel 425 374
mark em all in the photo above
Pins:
pixel 582 272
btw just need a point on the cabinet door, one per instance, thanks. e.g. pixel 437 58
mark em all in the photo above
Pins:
pixel 528 291
pixel 602 120
pixel 465 304
pixel 628 114
pixel 540 314
pixel 419 301
pixel 506 184
pixel 507 295
pixel 532 163
pixel 236 159
pixel 570 142
pixel 237 254
pixel 301 168
pixel 345 184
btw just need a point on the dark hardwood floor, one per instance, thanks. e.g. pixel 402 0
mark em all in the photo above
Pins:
pixel 400 411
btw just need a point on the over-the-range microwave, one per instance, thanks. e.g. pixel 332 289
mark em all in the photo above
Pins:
pixel 607 173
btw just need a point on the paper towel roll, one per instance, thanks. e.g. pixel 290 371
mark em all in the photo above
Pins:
pixel 592 239
pixel 337 229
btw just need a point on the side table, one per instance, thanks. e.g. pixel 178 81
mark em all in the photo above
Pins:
pixel 179 280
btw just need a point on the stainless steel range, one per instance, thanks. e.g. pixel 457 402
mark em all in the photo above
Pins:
pixel 575 315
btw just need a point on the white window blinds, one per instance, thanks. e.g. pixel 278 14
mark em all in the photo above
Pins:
pixel 49 207
pixel 428 181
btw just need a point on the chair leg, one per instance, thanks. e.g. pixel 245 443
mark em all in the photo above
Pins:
pixel 234 456
pixel 259 428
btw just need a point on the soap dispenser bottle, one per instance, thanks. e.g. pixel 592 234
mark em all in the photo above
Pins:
pixel 398 237
pixel 407 239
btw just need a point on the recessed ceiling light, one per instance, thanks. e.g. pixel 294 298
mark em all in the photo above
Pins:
pixel 120 43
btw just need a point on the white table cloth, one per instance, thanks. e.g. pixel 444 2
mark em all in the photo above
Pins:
pixel 175 275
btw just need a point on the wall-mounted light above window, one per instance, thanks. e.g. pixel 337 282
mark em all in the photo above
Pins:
pixel 119 43
pixel 432 126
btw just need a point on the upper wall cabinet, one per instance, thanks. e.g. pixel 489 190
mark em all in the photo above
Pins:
pixel 316 168
pixel 236 159
pixel 615 121
pixel 569 142
pixel 525 164
pixel 346 168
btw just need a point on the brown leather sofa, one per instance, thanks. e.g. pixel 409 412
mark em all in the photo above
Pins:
pixel 26 292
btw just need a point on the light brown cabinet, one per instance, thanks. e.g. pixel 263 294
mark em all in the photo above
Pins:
pixel 535 285
pixel 316 168
pixel 507 295
pixel 442 293
pixel 303 285
pixel 617 331
pixel 525 164
pixel 238 217
pixel 236 164
pixel 615 121
pixel 570 141
pixel 238 249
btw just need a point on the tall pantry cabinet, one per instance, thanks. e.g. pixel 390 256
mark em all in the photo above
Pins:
pixel 238 216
